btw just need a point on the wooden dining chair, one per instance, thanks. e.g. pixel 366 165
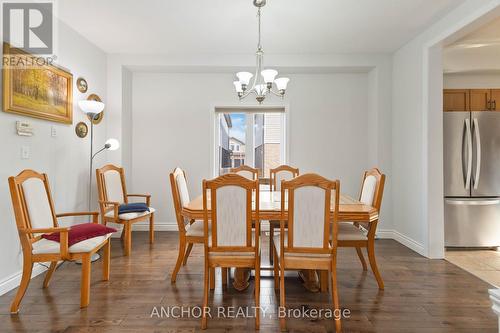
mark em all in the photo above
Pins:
pixel 113 193
pixel 246 171
pixel 190 232
pixel 306 243
pixel 231 241
pixel 352 235
pixel 283 172
pixel 35 215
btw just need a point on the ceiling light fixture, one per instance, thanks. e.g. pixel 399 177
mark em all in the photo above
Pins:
pixel 263 79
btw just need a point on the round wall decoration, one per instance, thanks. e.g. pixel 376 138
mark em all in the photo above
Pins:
pixel 82 85
pixel 81 130
pixel 98 118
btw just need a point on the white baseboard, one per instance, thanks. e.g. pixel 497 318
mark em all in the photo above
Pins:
pixel 403 239
pixel 159 226
pixel 381 233
pixel 13 281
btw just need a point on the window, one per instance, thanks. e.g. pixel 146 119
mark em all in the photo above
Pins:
pixel 254 138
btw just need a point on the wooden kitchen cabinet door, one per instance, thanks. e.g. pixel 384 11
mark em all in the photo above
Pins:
pixel 479 99
pixel 456 100
pixel 495 99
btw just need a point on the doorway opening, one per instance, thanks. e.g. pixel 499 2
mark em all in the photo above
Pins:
pixel 471 142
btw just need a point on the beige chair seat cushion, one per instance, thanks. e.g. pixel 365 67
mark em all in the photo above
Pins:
pixel 45 246
pixel 276 241
pixel 227 254
pixel 196 229
pixel 130 216
pixel 348 231
pixel 234 253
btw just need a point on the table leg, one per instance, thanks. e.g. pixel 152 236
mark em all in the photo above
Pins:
pixel 241 277
pixel 311 280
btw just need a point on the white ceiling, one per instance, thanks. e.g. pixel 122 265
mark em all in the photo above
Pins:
pixel 230 26
pixel 478 51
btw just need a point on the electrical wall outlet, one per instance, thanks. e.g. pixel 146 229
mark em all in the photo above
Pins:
pixel 25 152
pixel 53 131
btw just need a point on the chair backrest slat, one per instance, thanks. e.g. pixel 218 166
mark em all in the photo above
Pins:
pixel 372 191
pixel 246 171
pixel 111 184
pixel 372 188
pixel 283 172
pixel 310 221
pixel 32 203
pixel 230 212
pixel 180 195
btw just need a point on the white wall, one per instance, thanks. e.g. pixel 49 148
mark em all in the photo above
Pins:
pixel 64 158
pixel 471 81
pixel 417 130
pixel 328 123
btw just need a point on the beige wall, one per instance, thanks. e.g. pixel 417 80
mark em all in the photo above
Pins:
pixel 271 157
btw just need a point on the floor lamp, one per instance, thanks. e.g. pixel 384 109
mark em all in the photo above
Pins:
pixel 92 109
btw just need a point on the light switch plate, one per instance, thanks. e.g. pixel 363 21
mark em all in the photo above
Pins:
pixel 53 131
pixel 25 152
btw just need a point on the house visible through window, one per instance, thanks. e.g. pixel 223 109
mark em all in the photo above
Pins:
pixel 256 139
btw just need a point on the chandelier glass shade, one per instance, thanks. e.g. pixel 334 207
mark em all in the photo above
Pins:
pixel 264 81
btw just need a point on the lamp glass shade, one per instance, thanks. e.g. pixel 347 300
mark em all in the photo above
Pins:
pixel 281 83
pixel 269 75
pixel 113 144
pixel 244 77
pixel 237 86
pixel 261 89
pixel 91 107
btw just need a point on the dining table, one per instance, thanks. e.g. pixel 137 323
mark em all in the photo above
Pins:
pixel 350 210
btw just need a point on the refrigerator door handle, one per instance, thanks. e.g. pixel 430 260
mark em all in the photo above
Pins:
pixel 473 202
pixel 477 137
pixel 468 133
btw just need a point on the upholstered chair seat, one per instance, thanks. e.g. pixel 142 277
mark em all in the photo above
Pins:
pixel 113 193
pixel 277 246
pixel 190 231
pixel 309 239
pixel 348 231
pixel 195 229
pixel 35 216
pixel 231 241
pixel 283 172
pixel 352 235
pixel 131 216
pixel 45 246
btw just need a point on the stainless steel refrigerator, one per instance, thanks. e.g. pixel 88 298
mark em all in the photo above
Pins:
pixel 472 179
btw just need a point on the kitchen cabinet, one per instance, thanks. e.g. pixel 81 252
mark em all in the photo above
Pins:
pixel 479 99
pixel 471 100
pixel 456 100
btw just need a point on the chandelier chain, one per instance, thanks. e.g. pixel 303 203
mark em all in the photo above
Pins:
pixel 259 46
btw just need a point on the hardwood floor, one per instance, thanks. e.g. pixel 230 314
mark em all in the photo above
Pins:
pixel 420 295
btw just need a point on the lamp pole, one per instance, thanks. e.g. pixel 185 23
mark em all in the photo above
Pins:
pixel 92 116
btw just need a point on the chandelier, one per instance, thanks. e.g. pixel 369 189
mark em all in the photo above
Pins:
pixel 263 80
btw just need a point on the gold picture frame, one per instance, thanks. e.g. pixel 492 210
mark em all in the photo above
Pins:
pixel 81 130
pixel 39 91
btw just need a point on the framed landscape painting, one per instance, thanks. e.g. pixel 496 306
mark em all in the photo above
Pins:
pixel 32 87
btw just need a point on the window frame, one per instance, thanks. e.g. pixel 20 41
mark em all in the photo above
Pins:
pixel 215 132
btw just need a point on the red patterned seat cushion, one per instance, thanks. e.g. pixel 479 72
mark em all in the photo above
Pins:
pixel 81 232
